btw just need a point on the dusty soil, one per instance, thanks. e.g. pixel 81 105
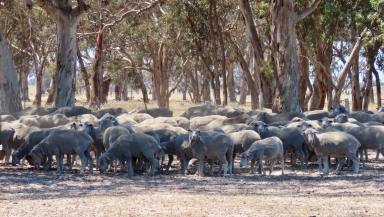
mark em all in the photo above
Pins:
pixel 25 192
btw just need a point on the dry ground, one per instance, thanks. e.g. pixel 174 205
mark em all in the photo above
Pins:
pixel 25 192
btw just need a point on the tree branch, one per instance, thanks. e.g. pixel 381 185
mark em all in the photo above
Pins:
pixel 136 11
pixel 307 11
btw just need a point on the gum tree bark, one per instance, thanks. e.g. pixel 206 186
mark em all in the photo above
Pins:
pixel 9 87
pixel 284 18
pixel 66 17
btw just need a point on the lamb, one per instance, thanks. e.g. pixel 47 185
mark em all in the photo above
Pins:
pixel 126 147
pixel 334 144
pixel 269 149
pixel 291 137
pixel 6 136
pixel 212 145
pixel 60 142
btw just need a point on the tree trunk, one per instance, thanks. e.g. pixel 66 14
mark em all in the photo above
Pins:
pixel 243 92
pixel 39 85
pixel 66 61
pixel 84 73
pixel 97 77
pixel 304 76
pixel 378 88
pixel 9 87
pixel 231 83
pixel 219 35
pixel 371 58
pixel 284 50
pixel 284 42
pixel 23 84
pixel 258 55
pixel 206 91
pixel 345 71
pixel 52 89
pixel 356 94
pixel 117 92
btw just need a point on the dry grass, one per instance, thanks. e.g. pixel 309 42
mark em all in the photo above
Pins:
pixel 25 192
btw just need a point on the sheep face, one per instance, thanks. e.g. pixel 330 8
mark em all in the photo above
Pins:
pixel 36 156
pixel 103 164
pixel 109 121
pixel 244 159
pixel 310 135
pixel 325 123
pixel 194 136
pixel 260 127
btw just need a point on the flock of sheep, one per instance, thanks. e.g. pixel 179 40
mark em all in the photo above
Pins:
pixel 202 137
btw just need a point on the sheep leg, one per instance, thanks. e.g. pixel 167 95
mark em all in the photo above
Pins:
pixel 377 154
pixel 326 165
pixel 83 160
pixel 224 162
pixel 170 160
pixel 69 162
pixel 90 161
pixel 183 164
pixel 200 170
pixel 260 160
pixel 340 164
pixel 154 162
pixel 355 160
pixel 282 165
pixel 271 167
pixel 366 155
pixel 362 156
pixel 320 163
pixel 130 167
pixel 253 161
pixel 60 159
pixel 7 148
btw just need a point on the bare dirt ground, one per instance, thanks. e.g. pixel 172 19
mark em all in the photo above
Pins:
pixel 25 192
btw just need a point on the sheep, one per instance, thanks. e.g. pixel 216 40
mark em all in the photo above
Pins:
pixel 370 137
pixel 162 130
pixel 6 136
pixel 198 122
pixel 235 128
pixel 46 121
pixel 206 110
pixel 71 111
pixel 179 146
pixel 292 138
pixel 242 140
pixel 336 144
pixel 269 149
pixel 157 112
pixel 126 147
pixel 126 119
pixel 7 118
pixel 113 111
pixel 31 141
pixel 112 133
pixel 97 136
pixel 212 145
pixel 60 142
